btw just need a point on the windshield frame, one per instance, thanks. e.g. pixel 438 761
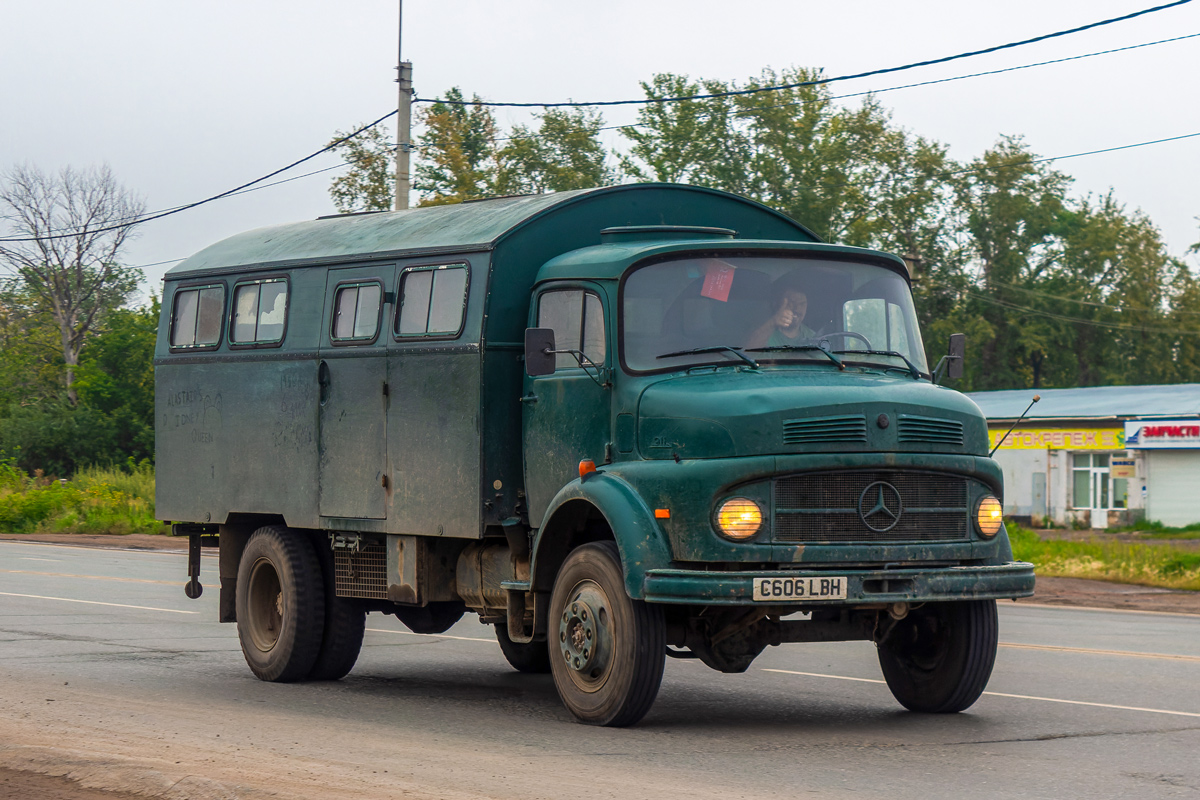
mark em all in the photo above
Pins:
pixel 725 358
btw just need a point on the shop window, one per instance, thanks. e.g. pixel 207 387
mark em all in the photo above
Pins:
pixel 259 312
pixel 196 317
pixel 432 301
pixel 1091 484
pixel 577 319
pixel 356 312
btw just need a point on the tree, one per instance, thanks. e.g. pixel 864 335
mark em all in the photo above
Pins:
pixel 689 141
pixel 116 378
pixel 457 157
pixel 369 183
pixel 31 364
pixel 1013 207
pixel 564 153
pixel 74 225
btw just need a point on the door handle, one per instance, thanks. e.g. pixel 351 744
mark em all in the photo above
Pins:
pixel 323 382
pixel 529 398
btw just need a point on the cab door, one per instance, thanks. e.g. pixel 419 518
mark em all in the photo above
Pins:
pixel 566 415
pixel 353 381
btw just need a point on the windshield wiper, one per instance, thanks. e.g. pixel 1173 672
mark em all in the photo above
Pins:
pixel 912 369
pixel 720 348
pixel 816 347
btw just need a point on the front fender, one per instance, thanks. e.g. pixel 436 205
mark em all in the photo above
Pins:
pixel 642 543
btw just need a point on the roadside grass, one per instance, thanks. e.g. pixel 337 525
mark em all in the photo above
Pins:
pixel 97 500
pixel 1146 565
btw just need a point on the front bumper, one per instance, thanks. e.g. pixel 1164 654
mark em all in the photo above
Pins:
pixel 928 585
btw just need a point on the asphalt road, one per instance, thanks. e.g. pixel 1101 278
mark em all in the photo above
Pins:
pixel 109 675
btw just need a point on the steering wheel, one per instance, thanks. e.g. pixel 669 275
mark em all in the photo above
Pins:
pixel 824 336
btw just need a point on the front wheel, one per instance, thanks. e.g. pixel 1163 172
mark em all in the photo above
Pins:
pixel 607 650
pixel 938 659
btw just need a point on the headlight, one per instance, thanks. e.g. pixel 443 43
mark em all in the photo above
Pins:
pixel 989 515
pixel 739 518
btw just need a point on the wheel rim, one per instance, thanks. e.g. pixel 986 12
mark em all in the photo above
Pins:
pixel 925 645
pixel 265 596
pixel 586 644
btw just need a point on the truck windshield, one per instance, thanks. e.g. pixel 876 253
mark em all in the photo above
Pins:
pixel 774 309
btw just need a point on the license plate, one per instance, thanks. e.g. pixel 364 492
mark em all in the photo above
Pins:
pixel 777 589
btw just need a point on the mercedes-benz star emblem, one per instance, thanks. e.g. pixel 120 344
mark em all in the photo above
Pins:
pixel 880 506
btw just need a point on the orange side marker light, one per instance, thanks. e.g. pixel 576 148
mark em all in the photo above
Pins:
pixel 662 513
pixel 586 467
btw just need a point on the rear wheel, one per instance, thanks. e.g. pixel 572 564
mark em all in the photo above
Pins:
pixel 606 649
pixel 345 623
pixel 280 604
pixel 532 657
pixel 938 659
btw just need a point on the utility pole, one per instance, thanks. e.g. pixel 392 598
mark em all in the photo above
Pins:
pixel 404 124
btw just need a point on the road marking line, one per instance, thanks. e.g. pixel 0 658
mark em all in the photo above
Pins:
pixel 32 558
pixel 1059 607
pixel 113 550
pixel 1090 651
pixel 434 635
pixel 1003 694
pixel 89 577
pixel 97 603
pixel 1096 705
pixel 820 675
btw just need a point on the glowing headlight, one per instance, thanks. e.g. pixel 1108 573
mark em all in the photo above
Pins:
pixel 989 515
pixel 739 518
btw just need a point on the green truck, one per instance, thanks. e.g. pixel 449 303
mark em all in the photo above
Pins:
pixel 620 425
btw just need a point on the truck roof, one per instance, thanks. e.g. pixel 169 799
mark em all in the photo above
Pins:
pixel 470 226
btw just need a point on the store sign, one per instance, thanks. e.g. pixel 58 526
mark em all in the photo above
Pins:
pixel 1060 439
pixel 1123 468
pixel 1163 433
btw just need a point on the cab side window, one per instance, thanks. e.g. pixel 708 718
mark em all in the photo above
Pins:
pixel 577 319
pixel 259 312
pixel 433 301
pixel 356 312
pixel 196 317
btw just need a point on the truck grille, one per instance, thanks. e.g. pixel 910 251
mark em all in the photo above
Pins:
pixel 362 573
pixel 823 507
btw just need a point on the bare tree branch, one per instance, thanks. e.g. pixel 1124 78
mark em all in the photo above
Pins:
pixel 78 277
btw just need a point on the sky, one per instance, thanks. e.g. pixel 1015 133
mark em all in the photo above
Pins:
pixel 187 100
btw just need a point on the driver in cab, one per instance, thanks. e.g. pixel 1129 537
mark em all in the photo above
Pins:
pixel 786 326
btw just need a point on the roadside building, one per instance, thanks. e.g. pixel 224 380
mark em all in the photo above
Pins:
pixel 1099 456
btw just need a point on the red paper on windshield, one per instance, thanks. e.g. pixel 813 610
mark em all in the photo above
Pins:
pixel 718 280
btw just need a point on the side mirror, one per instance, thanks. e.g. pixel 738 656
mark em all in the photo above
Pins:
pixel 958 350
pixel 539 351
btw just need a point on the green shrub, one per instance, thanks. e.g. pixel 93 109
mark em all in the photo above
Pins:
pixel 98 501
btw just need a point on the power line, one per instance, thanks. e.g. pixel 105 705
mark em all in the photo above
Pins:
pixel 177 209
pixel 1091 303
pixel 758 109
pixel 1065 317
pixel 818 81
pixel 244 188
pixel 1016 163
pixel 882 180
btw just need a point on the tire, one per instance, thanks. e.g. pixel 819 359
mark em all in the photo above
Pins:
pixel 280 604
pixel 606 650
pixel 345 623
pixel 938 659
pixel 532 657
